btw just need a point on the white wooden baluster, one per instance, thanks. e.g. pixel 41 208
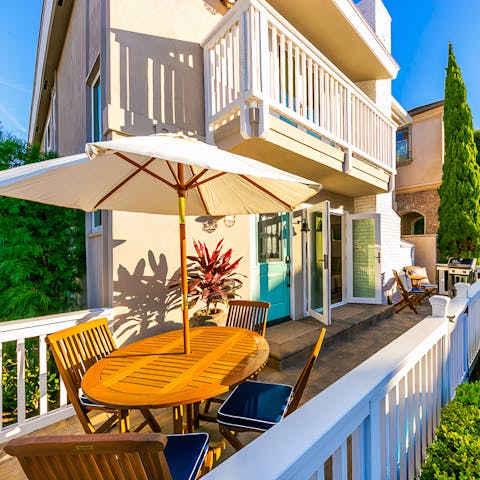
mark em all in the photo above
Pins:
pixel 339 462
pixel 21 380
pixel 358 449
pixel 43 374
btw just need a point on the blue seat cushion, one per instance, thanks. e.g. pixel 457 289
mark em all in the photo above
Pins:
pixel 416 290
pixel 255 405
pixel 86 402
pixel 185 454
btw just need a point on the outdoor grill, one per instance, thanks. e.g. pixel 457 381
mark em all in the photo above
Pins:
pixel 460 270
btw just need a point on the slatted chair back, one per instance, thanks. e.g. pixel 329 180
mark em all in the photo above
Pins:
pixel 75 350
pixel 410 298
pixel 92 457
pixel 302 381
pixel 423 283
pixel 248 314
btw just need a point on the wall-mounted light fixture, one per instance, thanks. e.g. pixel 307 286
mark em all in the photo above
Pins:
pixel 305 227
pixel 209 225
pixel 229 220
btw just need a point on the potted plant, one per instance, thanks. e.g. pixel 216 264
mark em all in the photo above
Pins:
pixel 211 277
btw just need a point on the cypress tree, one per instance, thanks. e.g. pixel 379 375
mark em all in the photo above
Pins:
pixel 459 209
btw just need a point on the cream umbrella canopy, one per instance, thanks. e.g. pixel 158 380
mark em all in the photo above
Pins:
pixel 163 174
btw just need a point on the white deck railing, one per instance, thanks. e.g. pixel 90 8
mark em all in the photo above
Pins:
pixel 255 58
pixel 377 420
pixel 19 331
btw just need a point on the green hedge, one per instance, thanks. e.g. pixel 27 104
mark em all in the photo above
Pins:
pixel 455 454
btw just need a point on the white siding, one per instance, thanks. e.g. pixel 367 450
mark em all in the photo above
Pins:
pixel 395 253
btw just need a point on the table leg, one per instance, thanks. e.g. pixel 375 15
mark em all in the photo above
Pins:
pixel 123 421
pixel 183 419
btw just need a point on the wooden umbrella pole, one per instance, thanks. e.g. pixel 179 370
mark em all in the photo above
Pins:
pixel 183 261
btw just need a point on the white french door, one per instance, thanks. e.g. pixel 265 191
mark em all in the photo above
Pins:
pixel 363 259
pixel 318 261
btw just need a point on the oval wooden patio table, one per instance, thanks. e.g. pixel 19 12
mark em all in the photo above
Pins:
pixel 155 373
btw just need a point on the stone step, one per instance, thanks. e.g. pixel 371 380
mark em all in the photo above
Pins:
pixel 291 342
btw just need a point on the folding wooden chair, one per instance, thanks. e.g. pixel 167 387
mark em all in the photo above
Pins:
pixel 411 296
pixel 125 456
pixel 423 282
pixel 76 349
pixel 258 406
pixel 246 314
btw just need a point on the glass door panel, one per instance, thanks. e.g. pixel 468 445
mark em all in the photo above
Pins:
pixel 364 260
pixel 318 261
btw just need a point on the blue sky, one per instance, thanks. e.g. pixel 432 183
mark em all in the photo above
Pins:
pixel 19 24
pixel 421 30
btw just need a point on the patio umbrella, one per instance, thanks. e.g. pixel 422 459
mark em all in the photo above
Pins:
pixel 165 174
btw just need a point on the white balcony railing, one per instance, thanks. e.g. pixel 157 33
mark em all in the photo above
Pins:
pixel 17 421
pixel 255 58
pixel 377 421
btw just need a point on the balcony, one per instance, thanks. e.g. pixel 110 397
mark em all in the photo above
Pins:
pixel 271 95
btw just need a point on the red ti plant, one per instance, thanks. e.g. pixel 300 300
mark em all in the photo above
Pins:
pixel 211 277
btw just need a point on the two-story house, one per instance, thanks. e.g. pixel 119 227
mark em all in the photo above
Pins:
pixel 304 86
pixel 420 151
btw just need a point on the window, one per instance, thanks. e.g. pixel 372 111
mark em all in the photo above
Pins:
pixel 96 220
pixel 403 147
pixel 272 237
pixel 96 110
pixel 50 135
pixel 413 223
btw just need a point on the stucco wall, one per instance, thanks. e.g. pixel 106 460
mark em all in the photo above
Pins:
pixel 427 153
pixel 425 253
pixel 146 256
pixel 156 64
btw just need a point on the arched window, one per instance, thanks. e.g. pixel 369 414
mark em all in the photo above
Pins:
pixel 413 223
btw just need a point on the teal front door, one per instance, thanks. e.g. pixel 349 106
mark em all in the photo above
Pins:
pixel 273 262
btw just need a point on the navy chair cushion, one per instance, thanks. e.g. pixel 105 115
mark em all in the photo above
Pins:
pixel 185 454
pixel 416 290
pixel 86 402
pixel 255 405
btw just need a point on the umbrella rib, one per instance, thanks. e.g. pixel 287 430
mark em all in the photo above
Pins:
pixel 122 183
pixel 143 169
pixel 194 177
pixel 173 172
pixel 289 207
pixel 200 193
pixel 213 177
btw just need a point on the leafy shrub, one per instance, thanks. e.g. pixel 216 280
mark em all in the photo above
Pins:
pixel 211 278
pixel 42 265
pixel 455 454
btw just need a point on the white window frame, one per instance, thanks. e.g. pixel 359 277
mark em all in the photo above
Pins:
pixel 92 85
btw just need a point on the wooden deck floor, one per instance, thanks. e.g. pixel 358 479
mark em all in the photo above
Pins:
pixel 334 361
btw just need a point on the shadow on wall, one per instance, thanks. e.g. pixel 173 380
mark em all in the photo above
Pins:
pixel 161 83
pixel 143 301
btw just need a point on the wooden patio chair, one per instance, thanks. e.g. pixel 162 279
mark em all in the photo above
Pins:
pixel 258 406
pixel 110 456
pixel 247 314
pixel 423 282
pixel 76 349
pixel 411 295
